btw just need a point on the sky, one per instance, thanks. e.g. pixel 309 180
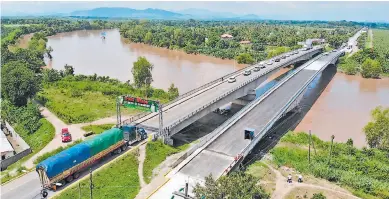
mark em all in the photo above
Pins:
pixel 331 11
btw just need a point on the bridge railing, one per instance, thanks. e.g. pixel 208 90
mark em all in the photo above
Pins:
pixel 191 92
pixel 225 125
pixel 167 128
pixel 256 139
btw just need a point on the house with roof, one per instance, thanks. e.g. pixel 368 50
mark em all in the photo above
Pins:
pixel 6 148
pixel 245 42
pixel 226 36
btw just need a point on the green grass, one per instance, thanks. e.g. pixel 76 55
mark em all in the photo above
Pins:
pixel 365 171
pixel 156 153
pixel 55 151
pixel 97 129
pixel 119 179
pixel 39 138
pixel 37 141
pixel 77 99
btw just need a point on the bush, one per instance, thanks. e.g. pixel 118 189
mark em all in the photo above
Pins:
pixel 318 196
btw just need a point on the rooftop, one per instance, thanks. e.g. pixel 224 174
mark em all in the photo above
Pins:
pixel 5 146
pixel 226 36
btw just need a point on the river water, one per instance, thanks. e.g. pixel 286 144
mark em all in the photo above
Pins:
pixel 89 54
pixel 342 107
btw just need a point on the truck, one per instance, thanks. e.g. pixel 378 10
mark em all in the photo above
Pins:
pixel 67 165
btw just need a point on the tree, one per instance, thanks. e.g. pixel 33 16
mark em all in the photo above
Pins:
pixel 148 37
pixel 69 70
pixel 377 131
pixel 48 52
pixel 51 75
pixel 142 72
pixel 237 185
pixel 371 68
pixel 18 82
pixel 173 92
pixel 245 58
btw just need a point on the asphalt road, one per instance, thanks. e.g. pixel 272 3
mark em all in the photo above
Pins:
pixel 175 112
pixel 219 154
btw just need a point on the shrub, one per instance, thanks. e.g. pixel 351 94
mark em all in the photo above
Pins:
pixel 318 196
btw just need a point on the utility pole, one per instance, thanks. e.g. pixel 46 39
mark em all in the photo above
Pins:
pixel 160 111
pixel 332 142
pixel 118 113
pixel 309 148
pixel 79 190
pixel 91 183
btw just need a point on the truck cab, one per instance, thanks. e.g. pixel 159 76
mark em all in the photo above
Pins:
pixel 133 133
pixel 249 133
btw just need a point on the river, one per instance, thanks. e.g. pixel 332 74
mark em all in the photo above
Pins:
pixel 343 107
pixel 89 54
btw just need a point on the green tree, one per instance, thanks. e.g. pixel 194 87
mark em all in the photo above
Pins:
pixel 51 75
pixel 173 92
pixel 142 72
pixel 237 185
pixel 377 131
pixel 69 70
pixel 18 82
pixel 245 58
pixel 148 37
pixel 371 68
pixel 318 196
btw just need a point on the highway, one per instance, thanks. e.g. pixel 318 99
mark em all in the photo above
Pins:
pixel 181 108
pixel 220 153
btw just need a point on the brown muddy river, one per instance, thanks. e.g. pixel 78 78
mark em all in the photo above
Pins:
pixel 342 109
pixel 89 54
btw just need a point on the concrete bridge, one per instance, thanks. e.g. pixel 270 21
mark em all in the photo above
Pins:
pixel 197 103
pixel 226 147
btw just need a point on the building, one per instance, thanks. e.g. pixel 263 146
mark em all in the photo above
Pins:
pixel 6 149
pixel 245 42
pixel 226 36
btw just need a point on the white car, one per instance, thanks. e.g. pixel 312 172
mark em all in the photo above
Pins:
pixel 269 63
pixel 257 68
pixel 247 72
pixel 231 79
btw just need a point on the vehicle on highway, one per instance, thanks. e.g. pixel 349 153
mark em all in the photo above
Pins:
pixel 231 79
pixel 287 55
pixel 257 68
pixel 247 72
pixel 269 63
pixel 65 135
pixel 327 53
pixel 262 66
pixel 296 52
pixel 66 166
pixel 249 133
pixel 334 50
pixel 283 57
pixel 277 59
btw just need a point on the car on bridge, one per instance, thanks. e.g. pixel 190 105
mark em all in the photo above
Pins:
pixel 277 59
pixel 247 72
pixel 231 79
pixel 269 63
pixel 257 68
pixel 283 57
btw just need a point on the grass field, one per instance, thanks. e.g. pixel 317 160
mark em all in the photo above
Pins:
pixel 97 129
pixel 118 180
pixel 365 171
pixel 156 153
pixel 82 101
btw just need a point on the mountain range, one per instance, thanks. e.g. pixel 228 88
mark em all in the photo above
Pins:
pixel 120 12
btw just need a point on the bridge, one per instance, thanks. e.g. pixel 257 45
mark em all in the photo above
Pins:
pixel 197 103
pixel 225 147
